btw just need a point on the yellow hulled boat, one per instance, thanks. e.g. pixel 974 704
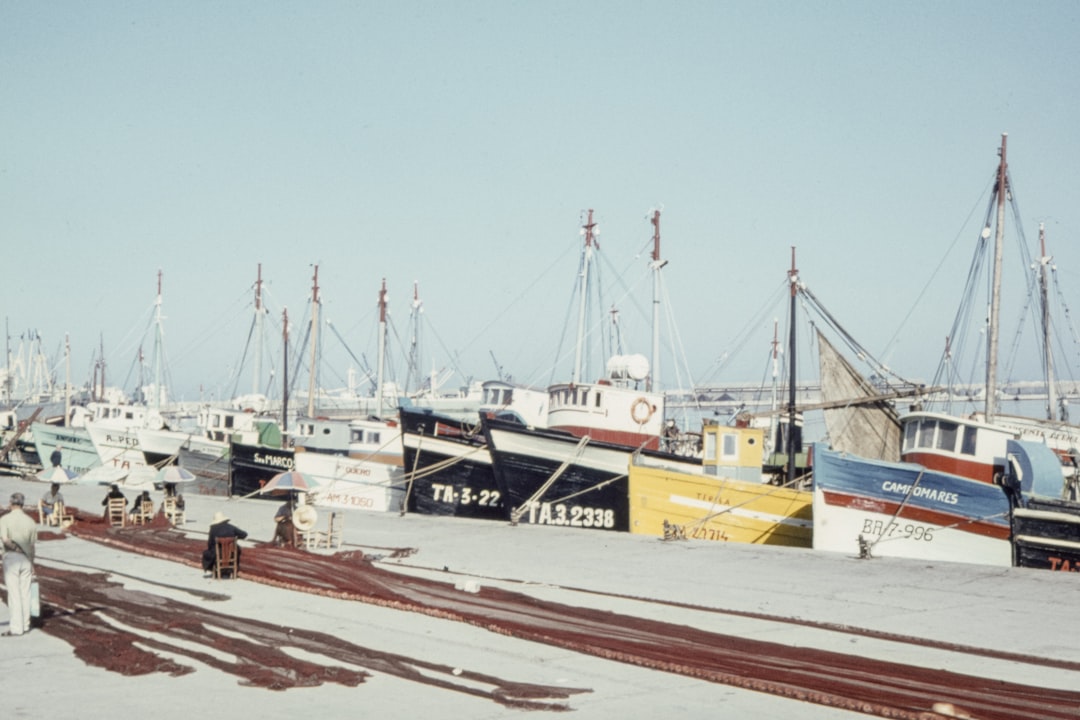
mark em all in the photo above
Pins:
pixel 728 501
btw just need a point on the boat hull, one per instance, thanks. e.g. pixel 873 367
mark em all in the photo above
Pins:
pixel 669 504
pixel 888 509
pixel 448 468
pixel 591 490
pixel 252 466
pixel 342 482
pixel 1046 534
pixel 77 451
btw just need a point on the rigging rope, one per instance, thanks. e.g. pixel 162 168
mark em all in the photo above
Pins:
pixel 516 513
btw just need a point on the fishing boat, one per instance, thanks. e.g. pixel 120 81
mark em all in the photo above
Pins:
pixel 254 461
pixel 573 472
pixel 878 508
pixel 447 460
pixel 729 500
pixel 351 464
pixel 550 477
pixel 980 487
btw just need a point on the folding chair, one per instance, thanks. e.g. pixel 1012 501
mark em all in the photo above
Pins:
pixel 50 519
pixel 143 514
pixel 63 517
pixel 116 512
pixel 227 558
pixel 172 511
pixel 331 537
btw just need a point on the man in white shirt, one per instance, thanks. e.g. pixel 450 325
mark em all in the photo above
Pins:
pixel 18 532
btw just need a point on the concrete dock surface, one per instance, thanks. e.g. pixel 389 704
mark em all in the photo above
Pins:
pixel 1009 624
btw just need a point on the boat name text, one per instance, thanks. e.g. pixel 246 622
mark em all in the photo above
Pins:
pixel 441 492
pixel 941 496
pixel 571 515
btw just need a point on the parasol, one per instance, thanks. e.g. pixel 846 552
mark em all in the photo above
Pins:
pixel 173 475
pixel 57 474
pixel 291 481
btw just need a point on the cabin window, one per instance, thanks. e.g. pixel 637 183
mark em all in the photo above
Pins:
pixel 228 421
pixel 730 449
pixel 967 447
pixel 926 433
pixel 947 436
pixel 710 446
pixel 508 396
pixel 356 436
pixel 597 398
pixel 374 438
pixel 215 421
pixel 911 429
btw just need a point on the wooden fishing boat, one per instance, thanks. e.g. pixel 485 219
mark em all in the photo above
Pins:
pixel 729 500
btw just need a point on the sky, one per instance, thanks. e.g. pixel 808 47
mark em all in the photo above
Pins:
pixel 456 147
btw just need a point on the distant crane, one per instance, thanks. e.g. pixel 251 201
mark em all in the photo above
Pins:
pixel 498 368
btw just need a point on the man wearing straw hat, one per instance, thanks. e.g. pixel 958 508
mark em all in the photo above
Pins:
pixel 219 528
pixel 18 531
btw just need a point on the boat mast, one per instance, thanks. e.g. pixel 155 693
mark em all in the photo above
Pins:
pixel 314 341
pixel 793 280
pixel 67 380
pixel 100 365
pixel 258 333
pixel 657 264
pixel 589 230
pixel 1048 359
pixel 158 346
pixel 775 404
pixel 7 354
pixel 995 294
pixel 380 365
pixel 285 375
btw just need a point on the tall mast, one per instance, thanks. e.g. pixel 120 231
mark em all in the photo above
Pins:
pixel 158 346
pixel 255 378
pixel 775 404
pixel 414 380
pixel 285 374
pixel 793 280
pixel 314 341
pixel 67 380
pixel 7 354
pixel 101 365
pixel 1044 291
pixel 586 257
pixel 657 264
pixel 380 365
pixel 1001 189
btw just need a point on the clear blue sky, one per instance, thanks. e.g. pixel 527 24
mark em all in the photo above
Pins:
pixel 457 143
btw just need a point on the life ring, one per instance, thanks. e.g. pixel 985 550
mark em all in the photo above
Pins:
pixel 641 416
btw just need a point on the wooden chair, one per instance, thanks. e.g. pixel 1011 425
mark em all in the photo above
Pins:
pixel 331 537
pixel 305 534
pixel 50 519
pixel 307 539
pixel 172 511
pixel 227 558
pixel 63 517
pixel 143 514
pixel 116 512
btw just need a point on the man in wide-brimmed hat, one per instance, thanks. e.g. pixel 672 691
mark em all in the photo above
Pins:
pixel 219 528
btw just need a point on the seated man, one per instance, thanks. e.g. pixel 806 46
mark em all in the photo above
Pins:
pixel 114 492
pixel 219 528
pixel 137 503
pixel 283 527
pixel 50 500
